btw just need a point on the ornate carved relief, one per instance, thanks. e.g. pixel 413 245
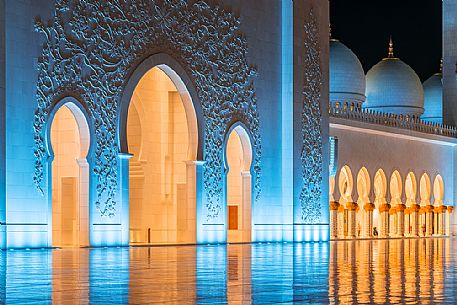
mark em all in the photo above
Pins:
pixel 311 153
pixel 90 48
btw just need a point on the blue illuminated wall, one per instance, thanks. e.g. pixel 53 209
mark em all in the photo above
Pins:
pixel 274 46
pixel 2 128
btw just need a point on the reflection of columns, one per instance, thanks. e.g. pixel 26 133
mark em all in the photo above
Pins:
pixel 392 222
pixel 352 221
pixel 384 220
pixel 334 219
pixel 429 209
pixel 448 220
pixel 400 208
pixel 414 219
pixel 368 207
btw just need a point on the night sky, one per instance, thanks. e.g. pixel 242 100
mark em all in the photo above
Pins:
pixel 365 26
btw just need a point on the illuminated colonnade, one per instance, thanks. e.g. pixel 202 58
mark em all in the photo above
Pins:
pixel 400 216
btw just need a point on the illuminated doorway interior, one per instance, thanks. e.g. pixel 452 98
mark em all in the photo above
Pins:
pixel 239 197
pixel 161 126
pixel 70 178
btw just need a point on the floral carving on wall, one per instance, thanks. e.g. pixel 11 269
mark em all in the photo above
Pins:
pixel 92 46
pixel 311 153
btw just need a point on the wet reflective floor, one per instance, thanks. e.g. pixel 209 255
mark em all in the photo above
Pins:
pixel 410 271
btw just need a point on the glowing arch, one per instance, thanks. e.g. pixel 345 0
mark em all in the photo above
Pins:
pixel 363 185
pixel 380 187
pixel 425 189
pixel 438 190
pixel 346 184
pixel 186 91
pixel 69 174
pixel 238 162
pixel 410 189
pixel 395 187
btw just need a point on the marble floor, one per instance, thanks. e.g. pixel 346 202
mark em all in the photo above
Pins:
pixel 396 271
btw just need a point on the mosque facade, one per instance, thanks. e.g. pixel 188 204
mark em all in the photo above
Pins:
pixel 196 122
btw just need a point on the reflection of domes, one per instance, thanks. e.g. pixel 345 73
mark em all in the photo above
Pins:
pixel 433 99
pixel 393 87
pixel 347 79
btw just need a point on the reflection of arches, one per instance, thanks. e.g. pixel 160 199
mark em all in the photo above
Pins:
pixel 69 137
pixel 424 189
pixel 238 159
pixel 438 190
pixel 163 137
pixel 345 183
pixel 410 189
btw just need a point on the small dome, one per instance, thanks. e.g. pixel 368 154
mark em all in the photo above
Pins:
pixel 433 99
pixel 394 87
pixel 347 78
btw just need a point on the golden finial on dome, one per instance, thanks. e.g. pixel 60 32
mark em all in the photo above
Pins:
pixel 391 49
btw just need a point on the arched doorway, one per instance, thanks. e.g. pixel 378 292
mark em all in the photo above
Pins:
pixel 162 138
pixel 396 221
pixel 438 194
pixel 238 156
pixel 426 210
pixel 347 214
pixel 365 213
pixel 70 140
pixel 381 211
pixel 411 220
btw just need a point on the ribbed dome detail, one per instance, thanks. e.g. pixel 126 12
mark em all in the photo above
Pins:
pixel 347 78
pixel 394 87
pixel 433 99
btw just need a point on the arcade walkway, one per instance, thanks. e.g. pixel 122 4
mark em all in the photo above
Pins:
pixel 342 272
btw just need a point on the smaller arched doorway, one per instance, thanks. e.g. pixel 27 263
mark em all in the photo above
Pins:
pixel 238 156
pixel 411 219
pixel 381 212
pixel 438 194
pixel 347 214
pixel 426 210
pixel 365 214
pixel 70 140
pixel 397 225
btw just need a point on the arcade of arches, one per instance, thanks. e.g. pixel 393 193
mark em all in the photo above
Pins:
pixel 394 218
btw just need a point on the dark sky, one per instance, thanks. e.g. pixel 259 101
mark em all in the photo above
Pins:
pixel 365 26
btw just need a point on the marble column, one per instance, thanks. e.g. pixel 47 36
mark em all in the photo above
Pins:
pixel 368 228
pixel 340 221
pixel 429 210
pixel 448 220
pixel 384 220
pixel 392 222
pixel 414 219
pixel 407 222
pixel 400 209
pixel 352 221
pixel 334 219
pixel 442 214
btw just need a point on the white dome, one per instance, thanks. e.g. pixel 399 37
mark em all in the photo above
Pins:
pixel 394 87
pixel 347 78
pixel 433 99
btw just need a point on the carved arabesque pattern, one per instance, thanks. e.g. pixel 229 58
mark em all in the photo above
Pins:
pixel 92 46
pixel 311 153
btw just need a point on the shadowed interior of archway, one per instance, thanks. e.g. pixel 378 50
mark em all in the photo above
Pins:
pixel 158 138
